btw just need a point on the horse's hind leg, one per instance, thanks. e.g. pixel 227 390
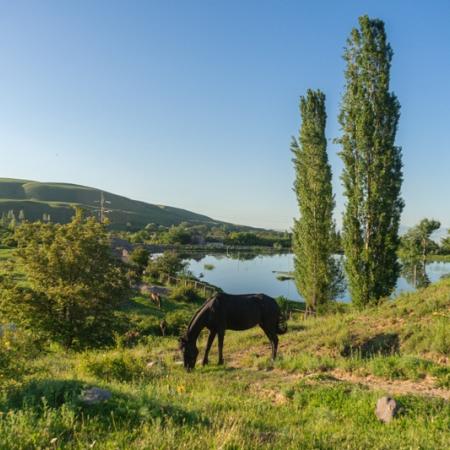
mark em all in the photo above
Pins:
pixel 273 338
pixel 212 335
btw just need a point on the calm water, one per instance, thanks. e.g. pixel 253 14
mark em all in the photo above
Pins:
pixel 237 276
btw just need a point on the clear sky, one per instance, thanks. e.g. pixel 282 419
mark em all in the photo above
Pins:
pixel 193 103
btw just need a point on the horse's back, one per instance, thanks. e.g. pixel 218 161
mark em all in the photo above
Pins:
pixel 240 312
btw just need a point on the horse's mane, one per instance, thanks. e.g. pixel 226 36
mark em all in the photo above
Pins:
pixel 197 313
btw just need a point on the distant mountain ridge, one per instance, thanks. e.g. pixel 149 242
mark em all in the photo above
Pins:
pixel 58 199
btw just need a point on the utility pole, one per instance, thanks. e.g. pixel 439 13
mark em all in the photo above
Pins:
pixel 102 211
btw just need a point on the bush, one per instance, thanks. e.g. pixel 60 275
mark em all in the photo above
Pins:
pixel 139 258
pixel 128 339
pixel 185 294
pixel 169 263
pixel 74 283
pixel 285 307
pixel 16 350
pixel 116 365
pixel 177 322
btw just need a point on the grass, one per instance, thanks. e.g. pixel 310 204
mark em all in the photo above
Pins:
pixel 319 394
pixel 162 406
pixel 5 254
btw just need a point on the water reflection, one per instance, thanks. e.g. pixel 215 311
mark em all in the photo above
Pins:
pixel 415 275
pixel 239 273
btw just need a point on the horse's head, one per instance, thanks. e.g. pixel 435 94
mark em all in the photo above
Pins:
pixel 190 353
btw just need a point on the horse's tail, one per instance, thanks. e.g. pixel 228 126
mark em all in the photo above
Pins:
pixel 281 325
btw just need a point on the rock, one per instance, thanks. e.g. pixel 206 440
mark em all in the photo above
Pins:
pixel 95 395
pixel 386 409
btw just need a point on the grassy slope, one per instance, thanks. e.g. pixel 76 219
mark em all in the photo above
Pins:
pixel 57 199
pixel 315 396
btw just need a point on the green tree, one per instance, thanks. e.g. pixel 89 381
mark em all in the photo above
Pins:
pixel 415 245
pixel 425 229
pixel 445 244
pixel 4 220
pixel 169 263
pixel 316 271
pixel 177 234
pixel 73 284
pixel 372 175
pixel 12 220
pixel 139 257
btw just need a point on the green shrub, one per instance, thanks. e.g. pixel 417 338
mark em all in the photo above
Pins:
pixel 185 294
pixel 128 339
pixel 285 306
pixel 116 365
pixel 16 350
pixel 176 322
pixel 73 282
pixel 169 263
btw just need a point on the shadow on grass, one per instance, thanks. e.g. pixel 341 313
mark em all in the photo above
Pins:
pixel 295 327
pixel 383 344
pixel 120 410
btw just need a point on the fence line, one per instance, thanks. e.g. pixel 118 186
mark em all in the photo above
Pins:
pixel 188 282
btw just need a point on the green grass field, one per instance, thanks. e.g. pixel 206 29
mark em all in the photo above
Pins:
pixel 319 394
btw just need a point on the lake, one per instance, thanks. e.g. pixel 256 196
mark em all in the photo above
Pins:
pixel 238 276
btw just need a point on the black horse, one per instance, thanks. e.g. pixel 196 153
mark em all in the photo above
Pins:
pixel 232 312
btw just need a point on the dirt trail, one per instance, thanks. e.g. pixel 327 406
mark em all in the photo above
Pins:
pixel 424 387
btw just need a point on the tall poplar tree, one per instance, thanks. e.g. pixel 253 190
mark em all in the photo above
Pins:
pixel 372 175
pixel 316 271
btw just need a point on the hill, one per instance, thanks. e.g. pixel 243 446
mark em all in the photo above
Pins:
pixel 59 199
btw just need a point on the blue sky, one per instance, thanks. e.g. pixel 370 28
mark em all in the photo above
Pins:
pixel 193 103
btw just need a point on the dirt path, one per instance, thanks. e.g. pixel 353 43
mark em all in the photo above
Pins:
pixel 425 387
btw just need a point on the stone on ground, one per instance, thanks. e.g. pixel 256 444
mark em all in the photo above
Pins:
pixel 386 409
pixel 95 395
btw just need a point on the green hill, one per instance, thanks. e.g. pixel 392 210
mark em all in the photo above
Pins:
pixel 59 199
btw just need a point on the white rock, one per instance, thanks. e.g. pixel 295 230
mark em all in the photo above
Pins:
pixel 386 409
pixel 95 395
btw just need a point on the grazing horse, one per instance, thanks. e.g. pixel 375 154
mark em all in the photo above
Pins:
pixel 231 312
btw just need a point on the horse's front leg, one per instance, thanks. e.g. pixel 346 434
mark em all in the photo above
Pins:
pixel 274 346
pixel 212 335
pixel 221 335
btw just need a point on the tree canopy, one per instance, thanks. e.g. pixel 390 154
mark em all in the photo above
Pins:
pixel 372 175
pixel 72 283
pixel 316 271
